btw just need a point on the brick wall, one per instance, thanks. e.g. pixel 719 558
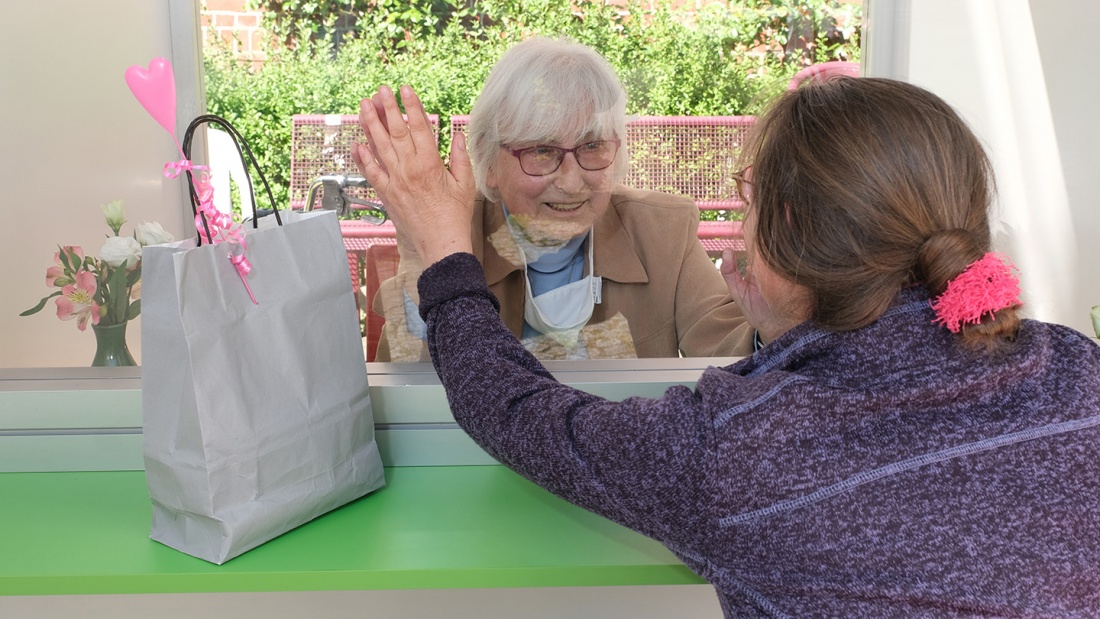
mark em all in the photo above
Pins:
pixel 240 29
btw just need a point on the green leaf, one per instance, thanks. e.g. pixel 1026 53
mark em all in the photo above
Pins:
pixel 134 310
pixel 41 304
pixel 63 256
pixel 134 276
pixel 116 277
pixel 116 283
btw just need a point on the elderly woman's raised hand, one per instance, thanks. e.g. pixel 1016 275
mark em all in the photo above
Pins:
pixel 429 203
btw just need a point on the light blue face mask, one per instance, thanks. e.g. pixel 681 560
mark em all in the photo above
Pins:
pixel 562 312
pixel 559 313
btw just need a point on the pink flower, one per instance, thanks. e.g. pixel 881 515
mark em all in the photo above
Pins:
pixel 77 301
pixel 60 275
pixel 53 275
pixel 71 249
pixel 104 289
pixel 75 249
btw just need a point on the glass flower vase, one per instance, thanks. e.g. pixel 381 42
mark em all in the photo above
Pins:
pixel 111 350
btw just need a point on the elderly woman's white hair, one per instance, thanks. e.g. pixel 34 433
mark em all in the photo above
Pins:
pixel 544 91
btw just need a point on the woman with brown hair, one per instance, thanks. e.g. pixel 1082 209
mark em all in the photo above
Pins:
pixel 904 445
pixel 867 204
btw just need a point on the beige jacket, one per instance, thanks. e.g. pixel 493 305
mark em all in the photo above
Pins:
pixel 662 296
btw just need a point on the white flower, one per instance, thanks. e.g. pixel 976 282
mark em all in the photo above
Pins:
pixel 115 215
pixel 120 249
pixel 151 233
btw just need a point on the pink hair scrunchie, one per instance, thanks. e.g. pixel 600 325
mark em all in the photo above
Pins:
pixel 985 286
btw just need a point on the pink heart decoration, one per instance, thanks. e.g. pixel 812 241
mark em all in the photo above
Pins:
pixel 155 89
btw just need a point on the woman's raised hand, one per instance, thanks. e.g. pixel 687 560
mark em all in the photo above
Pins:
pixel 772 312
pixel 430 204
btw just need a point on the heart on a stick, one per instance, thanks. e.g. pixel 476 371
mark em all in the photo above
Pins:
pixel 155 89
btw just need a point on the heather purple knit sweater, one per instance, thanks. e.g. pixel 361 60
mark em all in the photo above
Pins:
pixel 878 473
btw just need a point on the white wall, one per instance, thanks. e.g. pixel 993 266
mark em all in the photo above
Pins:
pixel 1018 74
pixel 1070 70
pixel 74 138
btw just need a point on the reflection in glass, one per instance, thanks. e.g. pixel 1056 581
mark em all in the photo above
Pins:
pixel 583 267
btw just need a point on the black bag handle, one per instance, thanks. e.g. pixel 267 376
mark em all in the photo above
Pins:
pixel 238 141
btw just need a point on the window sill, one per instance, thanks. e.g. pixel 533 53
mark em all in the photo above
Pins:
pixel 430 528
pixel 89 419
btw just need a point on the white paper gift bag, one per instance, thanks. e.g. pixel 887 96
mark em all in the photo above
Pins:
pixel 257 416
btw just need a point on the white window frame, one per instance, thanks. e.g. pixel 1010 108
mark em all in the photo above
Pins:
pixel 81 419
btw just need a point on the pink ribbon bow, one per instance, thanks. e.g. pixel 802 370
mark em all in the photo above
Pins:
pixel 218 226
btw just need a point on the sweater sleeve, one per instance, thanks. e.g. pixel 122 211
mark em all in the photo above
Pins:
pixel 640 462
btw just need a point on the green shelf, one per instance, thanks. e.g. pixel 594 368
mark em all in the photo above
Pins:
pixel 431 528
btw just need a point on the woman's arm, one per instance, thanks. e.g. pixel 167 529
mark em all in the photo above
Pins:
pixel 640 462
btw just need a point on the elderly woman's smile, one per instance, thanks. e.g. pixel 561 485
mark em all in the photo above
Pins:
pixel 564 208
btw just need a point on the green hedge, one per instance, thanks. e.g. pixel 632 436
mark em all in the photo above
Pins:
pixel 719 60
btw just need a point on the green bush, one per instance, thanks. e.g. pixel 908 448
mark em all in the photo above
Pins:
pixel 723 59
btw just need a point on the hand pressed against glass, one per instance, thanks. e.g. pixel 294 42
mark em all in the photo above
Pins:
pixel 772 304
pixel 430 202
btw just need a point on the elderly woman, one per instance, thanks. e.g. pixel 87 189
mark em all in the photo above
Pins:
pixel 906 445
pixel 582 267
